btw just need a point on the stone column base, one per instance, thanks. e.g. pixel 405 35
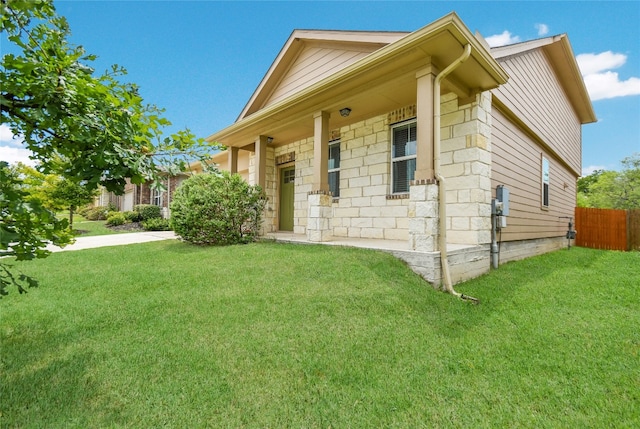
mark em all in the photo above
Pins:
pixel 319 217
pixel 423 217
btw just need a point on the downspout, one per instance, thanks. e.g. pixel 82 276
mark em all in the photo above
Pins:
pixel 442 199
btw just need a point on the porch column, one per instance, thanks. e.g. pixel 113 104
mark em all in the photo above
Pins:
pixel 319 212
pixel 321 152
pixel 424 106
pixel 232 156
pixel 423 192
pixel 260 161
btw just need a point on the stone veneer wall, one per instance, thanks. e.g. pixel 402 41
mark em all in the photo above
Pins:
pixel 364 209
pixel 466 165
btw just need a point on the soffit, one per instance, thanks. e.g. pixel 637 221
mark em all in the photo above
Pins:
pixel 382 81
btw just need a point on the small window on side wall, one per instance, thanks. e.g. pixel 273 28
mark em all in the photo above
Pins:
pixel 545 182
pixel 334 167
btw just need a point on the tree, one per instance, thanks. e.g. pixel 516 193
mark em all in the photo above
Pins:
pixel 612 189
pixel 91 129
pixel 26 227
pixel 71 195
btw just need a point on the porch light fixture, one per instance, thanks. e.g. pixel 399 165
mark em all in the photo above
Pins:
pixel 269 140
pixel 345 112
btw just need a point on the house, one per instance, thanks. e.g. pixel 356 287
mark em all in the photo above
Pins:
pixel 409 139
pixel 143 194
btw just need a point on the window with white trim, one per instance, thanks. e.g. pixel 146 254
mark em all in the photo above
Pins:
pixel 334 167
pixel 156 197
pixel 545 182
pixel 403 156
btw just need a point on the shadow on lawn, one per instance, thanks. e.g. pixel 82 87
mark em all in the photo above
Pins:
pixel 50 385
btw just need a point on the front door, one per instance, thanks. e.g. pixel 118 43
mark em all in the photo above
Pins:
pixel 287 191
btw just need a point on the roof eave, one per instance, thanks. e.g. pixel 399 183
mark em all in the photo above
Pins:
pixel 448 26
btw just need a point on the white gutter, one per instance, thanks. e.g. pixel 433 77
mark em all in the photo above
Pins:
pixel 442 199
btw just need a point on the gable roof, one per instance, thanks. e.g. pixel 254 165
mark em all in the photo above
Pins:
pixel 316 52
pixel 561 57
pixel 376 83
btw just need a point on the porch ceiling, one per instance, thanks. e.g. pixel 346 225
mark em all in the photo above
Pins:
pixel 382 81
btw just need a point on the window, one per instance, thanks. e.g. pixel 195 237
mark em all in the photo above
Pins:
pixel 545 182
pixel 403 156
pixel 156 197
pixel 334 167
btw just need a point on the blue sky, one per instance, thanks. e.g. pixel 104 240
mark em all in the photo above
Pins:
pixel 202 60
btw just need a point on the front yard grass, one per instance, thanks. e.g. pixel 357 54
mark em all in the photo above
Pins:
pixel 166 334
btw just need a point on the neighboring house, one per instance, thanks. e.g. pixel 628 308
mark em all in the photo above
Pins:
pixel 344 135
pixel 142 194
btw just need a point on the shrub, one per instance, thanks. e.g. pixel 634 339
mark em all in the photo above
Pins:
pixel 156 224
pixel 148 211
pixel 82 211
pixel 132 216
pixel 116 218
pixel 217 209
pixel 97 213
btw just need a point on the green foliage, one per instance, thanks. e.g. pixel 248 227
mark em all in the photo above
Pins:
pixel 612 189
pixel 156 224
pixel 82 211
pixel 97 213
pixel 217 209
pixel 148 211
pixel 584 183
pixel 91 129
pixel 95 129
pixel 132 216
pixel 26 227
pixel 115 219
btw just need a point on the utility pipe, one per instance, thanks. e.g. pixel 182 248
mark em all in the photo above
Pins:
pixel 442 200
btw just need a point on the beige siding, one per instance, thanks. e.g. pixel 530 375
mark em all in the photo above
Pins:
pixel 516 163
pixel 535 95
pixel 313 64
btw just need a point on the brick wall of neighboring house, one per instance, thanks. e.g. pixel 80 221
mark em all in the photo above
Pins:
pixel 142 194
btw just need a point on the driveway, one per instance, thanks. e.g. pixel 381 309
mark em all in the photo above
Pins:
pixel 115 240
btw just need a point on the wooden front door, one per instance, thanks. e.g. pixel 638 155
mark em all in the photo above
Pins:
pixel 287 192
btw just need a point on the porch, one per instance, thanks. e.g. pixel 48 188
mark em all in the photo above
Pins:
pixel 465 261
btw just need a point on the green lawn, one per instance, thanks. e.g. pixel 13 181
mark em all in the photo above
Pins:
pixel 275 335
pixel 85 228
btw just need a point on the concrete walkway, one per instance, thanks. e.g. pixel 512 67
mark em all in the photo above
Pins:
pixel 115 240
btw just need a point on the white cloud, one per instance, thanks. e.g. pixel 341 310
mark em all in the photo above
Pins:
pixel 11 147
pixel 15 154
pixel 601 82
pixel 596 63
pixel 7 138
pixel 590 169
pixel 543 29
pixel 506 38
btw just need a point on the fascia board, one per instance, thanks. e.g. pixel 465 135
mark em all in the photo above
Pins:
pixel 574 83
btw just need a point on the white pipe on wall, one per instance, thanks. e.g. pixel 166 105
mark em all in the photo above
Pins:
pixel 442 200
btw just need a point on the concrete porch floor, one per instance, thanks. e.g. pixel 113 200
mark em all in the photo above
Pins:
pixel 465 261
pixel 366 243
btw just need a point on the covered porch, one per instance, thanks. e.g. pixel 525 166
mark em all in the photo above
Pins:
pixel 465 261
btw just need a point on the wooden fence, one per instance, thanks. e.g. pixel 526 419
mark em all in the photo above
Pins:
pixel 608 229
